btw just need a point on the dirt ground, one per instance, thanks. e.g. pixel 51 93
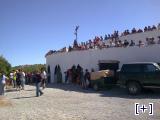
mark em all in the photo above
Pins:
pixel 70 102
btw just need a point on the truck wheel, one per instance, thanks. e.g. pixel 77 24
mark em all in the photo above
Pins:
pixel 133 88
pixel 95 87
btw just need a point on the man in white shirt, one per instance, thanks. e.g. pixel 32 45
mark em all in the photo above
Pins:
pixel 11 78
pixel 22 79
pixel 44 78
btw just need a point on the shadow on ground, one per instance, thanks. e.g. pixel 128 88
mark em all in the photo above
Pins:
pixel 10 90
pixel 24 97
pixel 113 92
pixel 14 90
pixel 31 90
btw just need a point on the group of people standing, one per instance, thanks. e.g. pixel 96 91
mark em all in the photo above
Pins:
pixel 17 79
pixel 78 76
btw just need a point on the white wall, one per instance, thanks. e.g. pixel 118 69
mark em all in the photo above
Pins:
pixel 89 58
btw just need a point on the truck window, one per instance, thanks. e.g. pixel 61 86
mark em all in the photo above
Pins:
pixel 131 68
pixel 149 68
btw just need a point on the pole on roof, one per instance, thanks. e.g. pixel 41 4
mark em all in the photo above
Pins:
pixel 76 32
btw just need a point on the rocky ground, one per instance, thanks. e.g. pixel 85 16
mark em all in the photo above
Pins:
pixel 70 102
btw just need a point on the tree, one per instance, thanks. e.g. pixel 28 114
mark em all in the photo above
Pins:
pixel 5 66
pixel 30 68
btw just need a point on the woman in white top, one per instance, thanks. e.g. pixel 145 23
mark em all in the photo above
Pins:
pixel 2 83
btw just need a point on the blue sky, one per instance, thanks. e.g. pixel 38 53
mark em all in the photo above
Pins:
pixel 29 28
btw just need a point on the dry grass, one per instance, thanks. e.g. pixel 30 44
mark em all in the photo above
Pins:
pixel 4 102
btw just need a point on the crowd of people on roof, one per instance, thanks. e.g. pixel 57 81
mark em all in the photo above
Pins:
pixel 133 31
pixel 111 40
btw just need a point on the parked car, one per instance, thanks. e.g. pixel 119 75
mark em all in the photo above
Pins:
pixel 136 76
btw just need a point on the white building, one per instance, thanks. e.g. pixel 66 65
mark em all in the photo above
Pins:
pixel 89 59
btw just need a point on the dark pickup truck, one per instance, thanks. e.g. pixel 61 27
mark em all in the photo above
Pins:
pixel 136 76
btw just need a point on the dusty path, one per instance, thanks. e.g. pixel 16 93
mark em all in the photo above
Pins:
pixel 69 102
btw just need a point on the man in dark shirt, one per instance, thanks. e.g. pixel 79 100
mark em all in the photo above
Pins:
pixel 87 78
pixel 37 79
pixel 18 79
